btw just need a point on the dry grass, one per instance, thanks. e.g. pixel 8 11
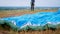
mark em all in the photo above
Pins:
pixel 31 32
pixel 5 31
pixel 8 13
pixel 41 32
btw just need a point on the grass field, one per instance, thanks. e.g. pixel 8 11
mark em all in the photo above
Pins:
pixel 8 13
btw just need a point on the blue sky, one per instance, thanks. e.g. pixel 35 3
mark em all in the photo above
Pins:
pixel 24 3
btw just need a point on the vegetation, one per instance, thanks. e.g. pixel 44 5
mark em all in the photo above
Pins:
pixel 8 13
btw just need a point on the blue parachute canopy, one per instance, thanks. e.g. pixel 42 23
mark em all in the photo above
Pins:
pixel 38 18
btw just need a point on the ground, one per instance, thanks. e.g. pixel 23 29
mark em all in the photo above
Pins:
pixel 8 13
pixel 5 31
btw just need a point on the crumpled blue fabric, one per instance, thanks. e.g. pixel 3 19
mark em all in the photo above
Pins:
pixel 37 18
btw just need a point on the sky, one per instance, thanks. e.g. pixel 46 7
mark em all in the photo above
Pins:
pixel 26 3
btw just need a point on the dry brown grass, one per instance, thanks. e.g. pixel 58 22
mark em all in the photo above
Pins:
pixel 8 13
pixel 31 32
pixel 5 31
pixel 41 32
